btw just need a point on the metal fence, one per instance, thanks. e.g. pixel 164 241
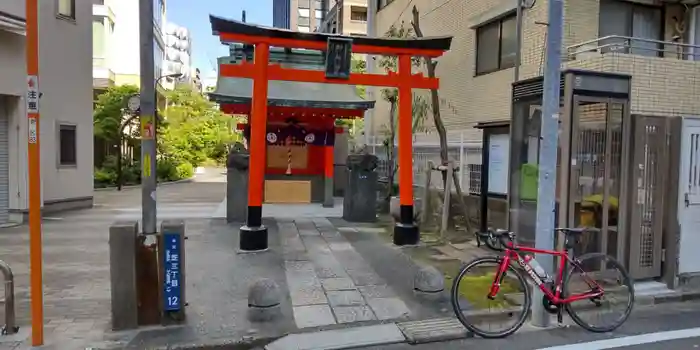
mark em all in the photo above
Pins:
pixel 426 148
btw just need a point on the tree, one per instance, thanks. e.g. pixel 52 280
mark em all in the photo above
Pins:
pixel 430 66
pixel 193 130
pixel 391 95
pixel 110 110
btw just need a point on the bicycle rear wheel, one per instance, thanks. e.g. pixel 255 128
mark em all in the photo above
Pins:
pixel 473 308
pixel 593 270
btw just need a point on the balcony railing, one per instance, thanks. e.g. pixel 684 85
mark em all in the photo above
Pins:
pixel 634 46
pixel 665 74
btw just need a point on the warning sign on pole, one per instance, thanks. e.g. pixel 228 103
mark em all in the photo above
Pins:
pixel 32 94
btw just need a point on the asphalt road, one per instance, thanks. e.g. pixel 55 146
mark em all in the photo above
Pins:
pixel 665 326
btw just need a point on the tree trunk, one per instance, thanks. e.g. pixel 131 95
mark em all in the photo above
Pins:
pixel 440 126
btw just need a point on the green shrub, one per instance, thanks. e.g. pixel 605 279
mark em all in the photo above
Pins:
pixel 104 177
pixel 185 171
pixel 166 169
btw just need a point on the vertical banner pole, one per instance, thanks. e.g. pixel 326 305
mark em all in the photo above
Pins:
pixel 34 169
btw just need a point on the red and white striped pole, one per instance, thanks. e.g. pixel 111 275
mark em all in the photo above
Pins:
pixel 289 155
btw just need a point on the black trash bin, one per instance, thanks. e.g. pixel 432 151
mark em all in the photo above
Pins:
pixel 360 199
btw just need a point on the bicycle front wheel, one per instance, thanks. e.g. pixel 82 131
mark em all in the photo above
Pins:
pixel 599 272
pixel 486 317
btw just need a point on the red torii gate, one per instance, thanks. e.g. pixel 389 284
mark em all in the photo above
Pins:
pixel 253 235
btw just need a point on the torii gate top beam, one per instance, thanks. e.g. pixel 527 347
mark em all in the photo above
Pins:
pixel 230 31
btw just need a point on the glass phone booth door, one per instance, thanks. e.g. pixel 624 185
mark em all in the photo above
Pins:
pixel 596 176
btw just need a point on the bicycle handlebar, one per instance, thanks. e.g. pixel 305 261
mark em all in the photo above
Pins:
pixel 496 241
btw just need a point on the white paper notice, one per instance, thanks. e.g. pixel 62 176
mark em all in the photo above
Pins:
pixel 499 157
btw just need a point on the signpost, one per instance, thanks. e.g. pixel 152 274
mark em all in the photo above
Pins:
pixel 172 288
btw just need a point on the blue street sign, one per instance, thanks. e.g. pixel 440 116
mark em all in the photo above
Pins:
pixel 172 288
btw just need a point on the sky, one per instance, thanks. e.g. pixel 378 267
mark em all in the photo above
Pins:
pixel 194 15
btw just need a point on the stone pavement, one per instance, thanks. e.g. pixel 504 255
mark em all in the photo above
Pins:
pixel 329 282
pixel 329 276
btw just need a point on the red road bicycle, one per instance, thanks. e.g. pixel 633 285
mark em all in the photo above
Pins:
pixel 515 296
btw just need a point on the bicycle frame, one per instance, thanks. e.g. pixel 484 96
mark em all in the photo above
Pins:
pixel 512 253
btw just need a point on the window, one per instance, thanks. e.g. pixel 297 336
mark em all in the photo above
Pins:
pixel 630 20
pixel 358 13
pixel 65 8
pixel 304 13
pixel 67 139
pixel 304 29
pixel 319 14
pixel 495 45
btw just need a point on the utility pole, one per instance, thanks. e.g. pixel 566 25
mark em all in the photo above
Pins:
pixel 544 231
pixel 518 40
pixel 148 112
pixel 34 168
pixel 372 6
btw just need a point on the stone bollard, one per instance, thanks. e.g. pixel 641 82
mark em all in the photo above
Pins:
pixel 122 267
pixel 264 298
pixel 429 283
pixel 237 185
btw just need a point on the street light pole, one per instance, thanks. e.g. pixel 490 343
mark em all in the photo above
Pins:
pixel 148 111
pixel 549 129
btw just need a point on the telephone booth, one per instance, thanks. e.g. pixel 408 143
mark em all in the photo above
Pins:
pixel 594 124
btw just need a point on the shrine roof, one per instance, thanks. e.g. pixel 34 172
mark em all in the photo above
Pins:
pixel 289 93
pixel 222 25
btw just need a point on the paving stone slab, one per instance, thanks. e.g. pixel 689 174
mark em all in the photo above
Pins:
pixel 341 283
pixel 313 316
pixel 310 296
pixel 389 308
pixel 377 291
pixel 345 298
pixel 349 314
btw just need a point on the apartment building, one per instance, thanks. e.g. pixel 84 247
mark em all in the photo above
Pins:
pixel 66 129
pixel 297 15
pixel 116 59
pixel 644 38
pixel 640 149
pixel 347 17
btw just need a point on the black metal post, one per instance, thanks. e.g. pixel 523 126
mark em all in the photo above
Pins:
pixel 119 150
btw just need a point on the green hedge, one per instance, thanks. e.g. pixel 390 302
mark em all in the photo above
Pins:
pixel 167 169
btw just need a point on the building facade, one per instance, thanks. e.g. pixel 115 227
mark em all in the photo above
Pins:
pixel 116 59
pixel 638 152
pixel 297 15
pixel 476 75
pixel 178 53
pixel 65 36
pixel 347 17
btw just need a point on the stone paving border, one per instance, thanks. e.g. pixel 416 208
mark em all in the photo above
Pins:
pixel 329 282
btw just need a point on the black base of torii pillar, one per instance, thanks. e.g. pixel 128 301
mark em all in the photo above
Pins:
pixel 253 235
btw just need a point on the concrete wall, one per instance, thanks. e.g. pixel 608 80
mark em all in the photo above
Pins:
pixel 66 84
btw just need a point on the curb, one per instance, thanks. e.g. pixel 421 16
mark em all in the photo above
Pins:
pixel 409 332
pixel 176 182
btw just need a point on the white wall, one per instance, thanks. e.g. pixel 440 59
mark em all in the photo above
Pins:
pixel 66 81
pixel 123 51
pixel 66 84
